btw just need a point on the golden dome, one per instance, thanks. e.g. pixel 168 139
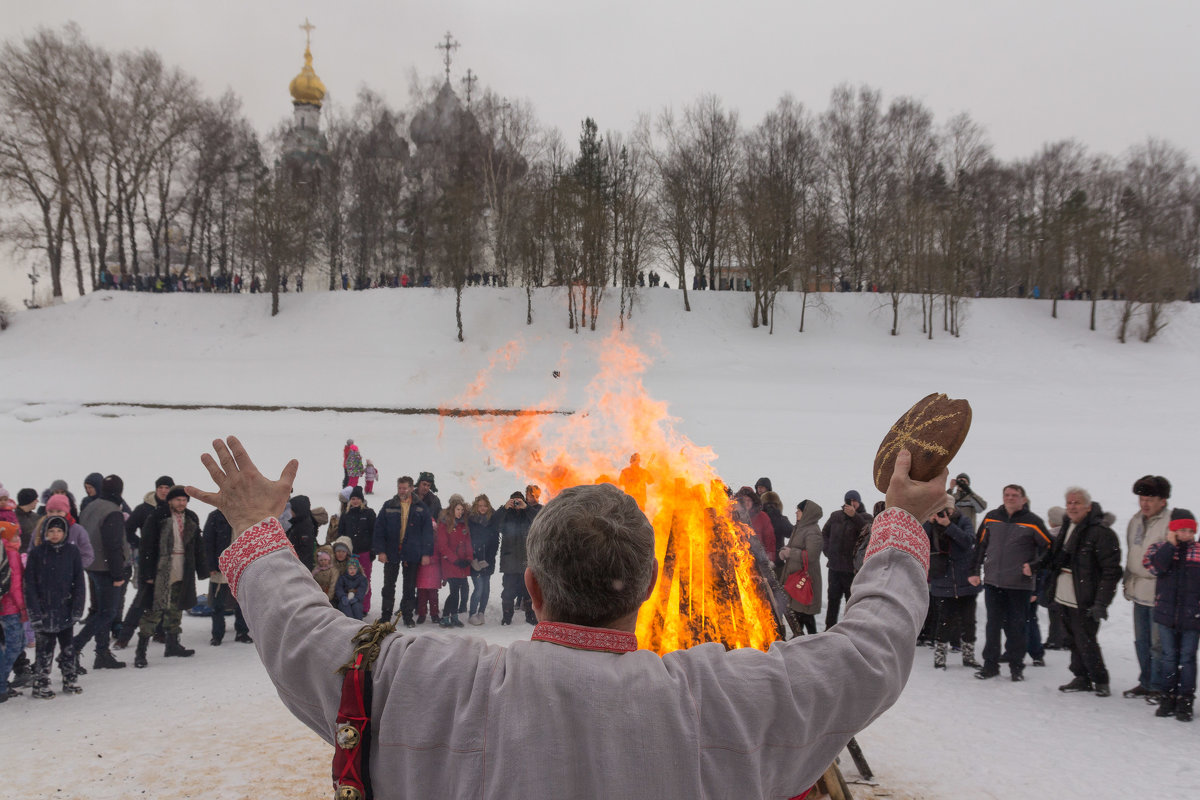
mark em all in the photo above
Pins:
pixel 307 87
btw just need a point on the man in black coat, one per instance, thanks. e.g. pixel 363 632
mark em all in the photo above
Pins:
pixel 514 520
pixel 134 525
pixel 217 536
pixel 840 535
pixel 172 549
pixel 358 525
pixel 1085 568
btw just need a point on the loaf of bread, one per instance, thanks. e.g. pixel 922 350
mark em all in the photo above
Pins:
pixel 932 430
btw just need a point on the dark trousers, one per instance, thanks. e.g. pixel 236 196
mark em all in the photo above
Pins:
pixel 456 603
pixel 220 597
pixel 839 587
pixel 1086 658
pixel 1033 633
pixel 929 628
pixel 513 586
pixel 1007 611
pixel 408 589
pixel 1055 637
pixel 808 623
pixel 955 619
pixel 98 624
pixel 45 643
pixel 1179 661
pixel 119 602
pixel 133 617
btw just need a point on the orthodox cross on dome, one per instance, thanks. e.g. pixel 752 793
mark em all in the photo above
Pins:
pixel 468 81
pixel 308 28
pixel 449 44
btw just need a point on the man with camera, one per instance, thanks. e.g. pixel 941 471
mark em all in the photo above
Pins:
pixel 966 501
pixel 514 520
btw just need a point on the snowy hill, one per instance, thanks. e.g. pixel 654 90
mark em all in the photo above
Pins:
pixel 1054 405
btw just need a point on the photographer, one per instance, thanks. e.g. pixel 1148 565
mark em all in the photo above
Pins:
pixel 514 521
pixel 966 501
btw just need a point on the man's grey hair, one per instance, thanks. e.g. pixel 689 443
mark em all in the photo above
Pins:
pixel 592 551
pixel 1079 490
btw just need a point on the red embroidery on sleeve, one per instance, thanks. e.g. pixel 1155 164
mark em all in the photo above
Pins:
pixel 897 528
pixel 265 537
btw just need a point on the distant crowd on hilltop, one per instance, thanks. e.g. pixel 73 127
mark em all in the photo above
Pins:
pixel 65 564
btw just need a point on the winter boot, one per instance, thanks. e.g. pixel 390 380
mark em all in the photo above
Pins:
pixel 1183 709
pixel 939 655
pixel 1166 706
pixel 1102 690
pixel 968 655
pixel 69 686
pixel 78 668
pixel 139 658
pixel 244 638
pixel 1077 684
pixel 41 689
pixel 22 674
pixel 987 671
pixel 444 622
pixel 530 617
pixel 174 648
pixel 455 622
pixel 106 660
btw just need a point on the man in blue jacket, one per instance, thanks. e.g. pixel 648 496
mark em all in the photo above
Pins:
pixel 403 541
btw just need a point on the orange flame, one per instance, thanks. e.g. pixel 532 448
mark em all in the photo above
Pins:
pixel 708 589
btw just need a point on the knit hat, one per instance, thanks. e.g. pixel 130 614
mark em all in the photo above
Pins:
pixel 58 504
pixel 176 491
pixel 9 530
pixel 356 491
pixel 763 482
pixel 113 486
pixel 428 476
pixel 94 480
pixel 1152 486
pixel 58 486
pixel 4 495
pixel 1055 515
pixel 164 480
pixel 852 495
pixel 56 522
pixel 349 441
pixel 26 496
pixel 345 493
pixel 1182 520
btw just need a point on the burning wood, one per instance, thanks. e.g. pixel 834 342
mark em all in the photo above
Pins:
pixel 708 589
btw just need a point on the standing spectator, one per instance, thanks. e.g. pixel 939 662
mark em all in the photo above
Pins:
pixel 91 487
pixel 12 604
pixel 349 590
pixel 1012 541
pixel 27 516
pixel 429 580
pixel 454 552
pixel 1085 566
pixel 1055 637
pixel 370 475
pixel 966 501
pixel 951 548
pixel 135 527
pixel 805 539
pixel 54 598
pixel 76 533
pixel 325 574
pixel 1146 528
pixel 485 543
pixel 427 495
pixel 303 531
pixel 358 525
pixel 762 486
pixel 60 487
pixel 172 550
pixel 353 464
pixel 749 511
pixel 772 506
pixel 1176 565
pixel 403 540
pixel 514 521
pixel 345 456
pixel 108 571
pixel 840 536
pixel 217 536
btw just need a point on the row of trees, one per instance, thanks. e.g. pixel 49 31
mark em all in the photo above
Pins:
pixel 116 161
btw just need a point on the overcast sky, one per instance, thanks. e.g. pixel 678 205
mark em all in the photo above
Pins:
pixel 1107 73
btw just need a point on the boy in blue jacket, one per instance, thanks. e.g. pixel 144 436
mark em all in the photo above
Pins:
pixel 1176 565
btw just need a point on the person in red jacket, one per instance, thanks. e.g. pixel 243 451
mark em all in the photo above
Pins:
pixel 751 513
pixel 452 547
pixel 12 604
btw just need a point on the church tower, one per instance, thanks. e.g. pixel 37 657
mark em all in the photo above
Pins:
pixel 305 142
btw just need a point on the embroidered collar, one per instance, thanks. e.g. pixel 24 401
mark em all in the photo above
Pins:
pixel 578 637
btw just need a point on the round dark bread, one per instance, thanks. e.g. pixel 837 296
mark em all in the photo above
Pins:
pixel 932 430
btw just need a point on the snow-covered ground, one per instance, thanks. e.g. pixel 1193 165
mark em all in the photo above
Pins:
pixel 1054 405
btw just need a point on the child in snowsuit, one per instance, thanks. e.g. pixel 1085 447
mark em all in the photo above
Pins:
pixel 325 575
pixel 1176 565
pixel 12 604
pixel 370 475
pixel 54 599
pixel 350 590
pixel 429 580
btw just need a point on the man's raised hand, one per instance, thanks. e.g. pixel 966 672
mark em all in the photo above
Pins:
pixel 244 495
pixel 919 498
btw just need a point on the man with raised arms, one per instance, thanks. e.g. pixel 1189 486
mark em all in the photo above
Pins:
pixel 578 710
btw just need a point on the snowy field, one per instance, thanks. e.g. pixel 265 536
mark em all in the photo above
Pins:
pixel 1054 405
